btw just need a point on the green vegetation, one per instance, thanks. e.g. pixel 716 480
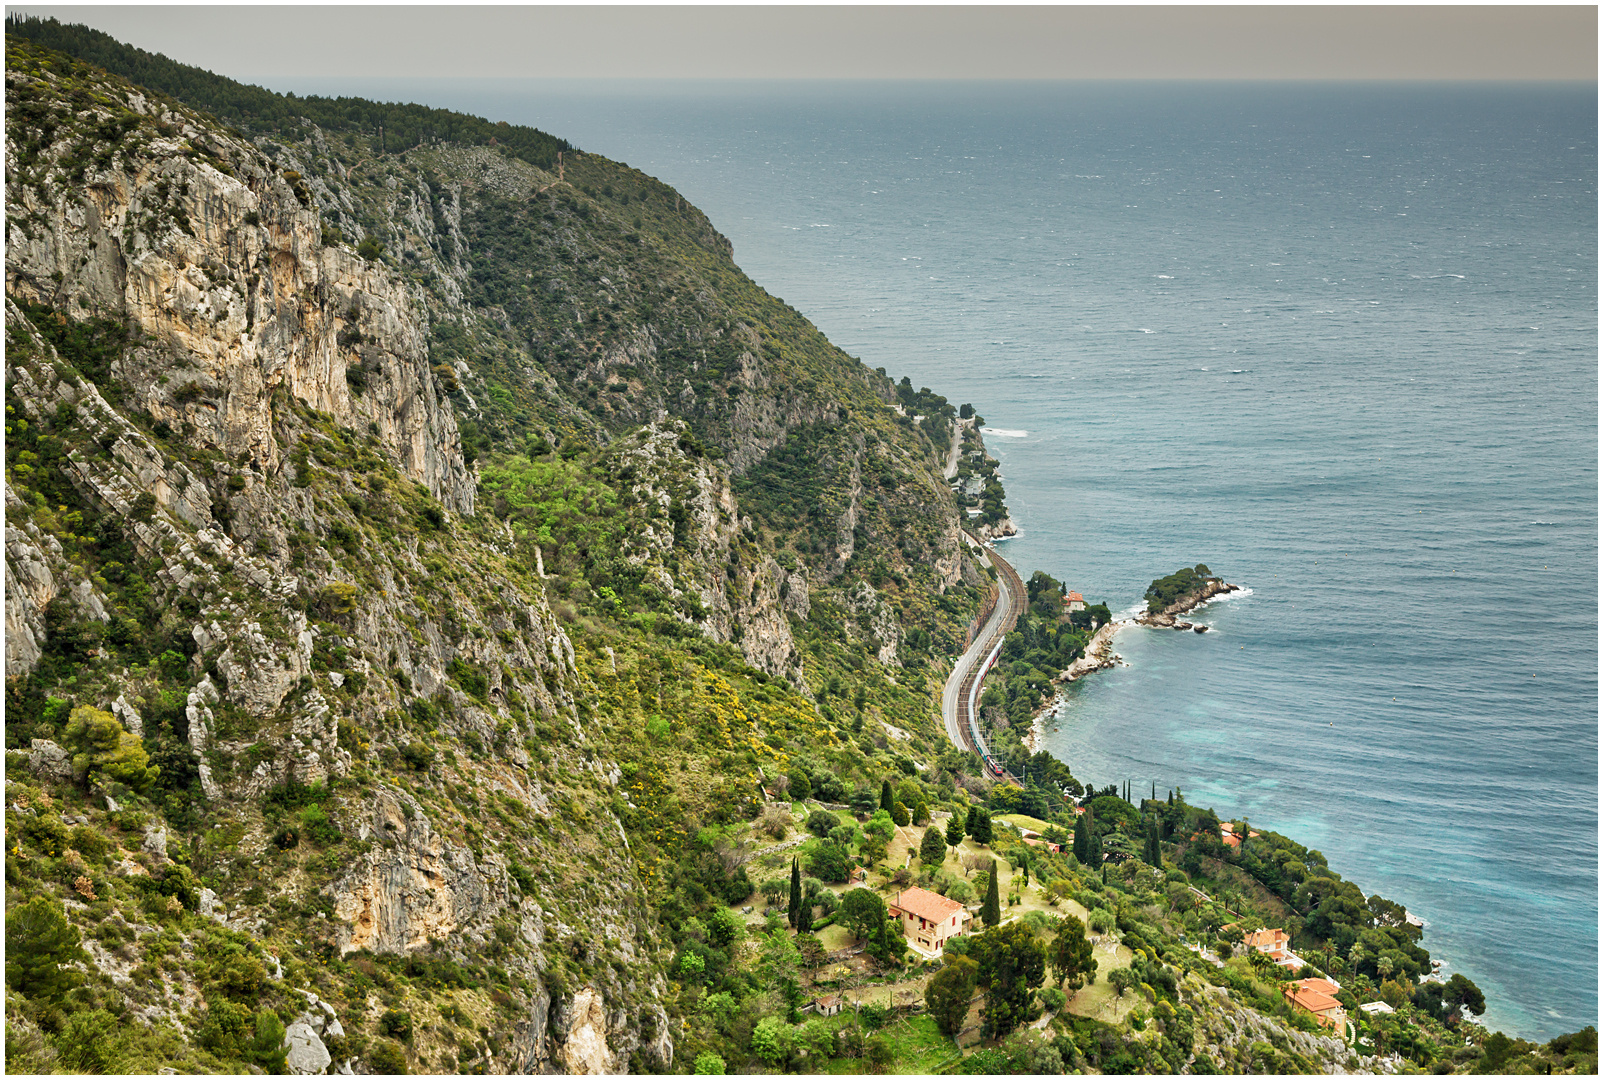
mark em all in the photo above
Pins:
pixel 576 728
pixel 256 109
pixel 1184 582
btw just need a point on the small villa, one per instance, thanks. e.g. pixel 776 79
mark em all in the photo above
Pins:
pixel 928 919
pixel 1317 996
pixel 1074 602
pixel 1275 942
pixel 1227 833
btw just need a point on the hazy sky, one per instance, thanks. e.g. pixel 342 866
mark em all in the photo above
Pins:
pixel 1285 42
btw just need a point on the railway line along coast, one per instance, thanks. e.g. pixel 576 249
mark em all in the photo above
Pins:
pixel 959 698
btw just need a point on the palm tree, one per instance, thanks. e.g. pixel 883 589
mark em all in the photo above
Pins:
pixel 1261 962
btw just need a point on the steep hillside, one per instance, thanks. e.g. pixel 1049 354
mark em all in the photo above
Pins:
pixel 418 563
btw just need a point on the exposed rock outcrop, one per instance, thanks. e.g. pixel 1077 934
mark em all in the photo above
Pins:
pixel 215 260
pixel 413 886
pixel 1169 617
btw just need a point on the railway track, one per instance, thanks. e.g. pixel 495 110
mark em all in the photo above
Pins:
pixel 959 698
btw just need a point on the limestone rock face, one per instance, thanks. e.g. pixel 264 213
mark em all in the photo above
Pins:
pixel 238 302
pixel 413 886
pixel 878 619
pixel 584 1048
pixel 744 596
pixel 29 587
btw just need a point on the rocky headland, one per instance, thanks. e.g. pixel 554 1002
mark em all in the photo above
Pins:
pixel 1169 617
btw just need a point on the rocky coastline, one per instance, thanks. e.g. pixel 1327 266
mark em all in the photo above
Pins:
pixel 1099 654
pixel 1169 617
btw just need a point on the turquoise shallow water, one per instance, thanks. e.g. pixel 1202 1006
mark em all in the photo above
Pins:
pixel 1338 342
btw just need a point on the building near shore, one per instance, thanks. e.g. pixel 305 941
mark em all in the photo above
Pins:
pixel 1317 996
pixel 1275 942
pixel 1074 602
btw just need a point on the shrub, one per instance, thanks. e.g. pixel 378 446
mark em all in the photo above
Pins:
pixel 820 822
pixel 417 755
pixel 101 747
pixel 92 1042
pixel 387 1059
pixel 39 940
pixel 396 1024
pixel 709 1064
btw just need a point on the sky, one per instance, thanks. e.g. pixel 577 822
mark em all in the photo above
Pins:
pixel 757 41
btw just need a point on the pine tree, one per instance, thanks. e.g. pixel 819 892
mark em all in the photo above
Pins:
pixel 991 911
pixel 1082 837
pixel 795 892
pixel 886 800
pixel 954 830
pixel 972 823
pixel 932 849
pixel 982 829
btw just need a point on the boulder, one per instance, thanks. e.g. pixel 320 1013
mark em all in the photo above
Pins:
pixel 49 762
pixel 307 1054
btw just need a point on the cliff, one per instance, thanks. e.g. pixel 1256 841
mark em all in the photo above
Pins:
pixel 459 540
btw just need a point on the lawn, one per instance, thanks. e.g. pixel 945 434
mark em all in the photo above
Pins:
pixel 918 1046
pixel 1024 821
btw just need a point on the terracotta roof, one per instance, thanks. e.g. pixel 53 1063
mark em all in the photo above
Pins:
pixel 1319 986
pixel 1074 598
pixel 1312 1000
pixel 925 904
pixel 1267 939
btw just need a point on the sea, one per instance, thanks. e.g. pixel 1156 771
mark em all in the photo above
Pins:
pixel 1336 341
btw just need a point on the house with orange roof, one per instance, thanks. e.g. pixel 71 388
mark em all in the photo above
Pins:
pixel 929 919
pixel 1227 832
pixel 1074 602
pixel 1275 942
pixel 1318 997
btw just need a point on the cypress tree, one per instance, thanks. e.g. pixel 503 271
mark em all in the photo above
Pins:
pixel 885 798
pixel 991 912
pixel 795 892
pixel 804 918
pixel 973 820
pixel 982 828
pixel 1154 852
pixel 1082 837
pixel 1096 850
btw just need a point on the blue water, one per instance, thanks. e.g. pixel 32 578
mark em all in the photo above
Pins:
pixel 1338 342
